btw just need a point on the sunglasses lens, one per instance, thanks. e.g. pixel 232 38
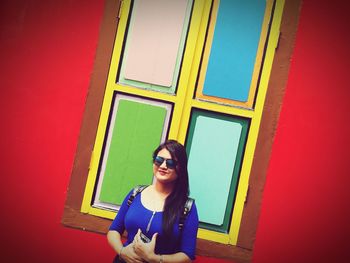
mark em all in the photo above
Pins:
pixel 158 160
pixel 171 164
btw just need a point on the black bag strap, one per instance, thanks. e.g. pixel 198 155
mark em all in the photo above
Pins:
pixel 187 209
pixel 138 189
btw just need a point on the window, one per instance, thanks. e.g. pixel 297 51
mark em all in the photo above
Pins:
pixel 208 92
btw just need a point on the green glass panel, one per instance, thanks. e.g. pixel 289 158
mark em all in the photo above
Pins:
pixel 136 133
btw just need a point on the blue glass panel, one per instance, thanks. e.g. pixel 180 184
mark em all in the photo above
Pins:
pixel 234 48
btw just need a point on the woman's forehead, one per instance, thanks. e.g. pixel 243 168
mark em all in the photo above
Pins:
pixel 164 153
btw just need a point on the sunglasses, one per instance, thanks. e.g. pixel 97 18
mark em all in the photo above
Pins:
pixel 170 163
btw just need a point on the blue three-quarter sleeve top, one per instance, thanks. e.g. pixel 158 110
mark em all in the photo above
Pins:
pixel 138 217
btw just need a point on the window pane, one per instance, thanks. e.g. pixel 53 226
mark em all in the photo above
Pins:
pixel 155 44
pixel 137 126
pixel 231 50
pixel 215 146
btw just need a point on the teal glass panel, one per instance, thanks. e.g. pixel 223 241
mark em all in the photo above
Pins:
pixel 215 146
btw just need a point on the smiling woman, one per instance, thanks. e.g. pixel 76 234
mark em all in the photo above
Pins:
pixel 153 218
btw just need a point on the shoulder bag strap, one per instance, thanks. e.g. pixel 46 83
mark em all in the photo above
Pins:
pixel 186 210
pixel 138 189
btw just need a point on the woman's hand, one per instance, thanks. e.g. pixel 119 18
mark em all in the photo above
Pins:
pixel 129 255
pixel 145 250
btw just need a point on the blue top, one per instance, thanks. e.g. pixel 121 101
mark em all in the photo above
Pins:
pixel 138 217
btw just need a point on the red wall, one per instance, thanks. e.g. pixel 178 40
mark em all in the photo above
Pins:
pixel 47 50
pixel 305 214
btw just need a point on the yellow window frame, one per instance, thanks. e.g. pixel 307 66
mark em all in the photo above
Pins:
pixel 183 103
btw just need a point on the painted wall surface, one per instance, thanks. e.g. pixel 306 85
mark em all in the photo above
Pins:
pixel 47 51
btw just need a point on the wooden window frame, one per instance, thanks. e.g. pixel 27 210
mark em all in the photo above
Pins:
pixel 242 251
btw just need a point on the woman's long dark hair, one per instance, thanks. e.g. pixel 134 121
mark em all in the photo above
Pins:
pixel 175 201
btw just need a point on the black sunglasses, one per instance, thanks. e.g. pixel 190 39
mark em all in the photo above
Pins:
pixel 170 163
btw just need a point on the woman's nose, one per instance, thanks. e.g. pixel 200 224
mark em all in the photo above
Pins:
pixel 163 165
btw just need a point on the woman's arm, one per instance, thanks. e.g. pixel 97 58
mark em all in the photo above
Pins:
pixel 126 253
pixel 114 236
pixel 114 240
pixel 146 252
pixel 179 257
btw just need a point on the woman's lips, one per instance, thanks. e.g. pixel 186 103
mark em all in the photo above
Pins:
pixel 162 172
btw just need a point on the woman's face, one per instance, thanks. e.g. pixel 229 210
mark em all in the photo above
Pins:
pixel 163 173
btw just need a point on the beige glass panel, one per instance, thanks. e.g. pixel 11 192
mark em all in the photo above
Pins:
pixel 155 40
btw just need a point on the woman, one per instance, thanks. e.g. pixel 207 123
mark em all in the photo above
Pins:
pixel 155 213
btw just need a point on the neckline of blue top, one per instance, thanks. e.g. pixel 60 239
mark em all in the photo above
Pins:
pixel 152 211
